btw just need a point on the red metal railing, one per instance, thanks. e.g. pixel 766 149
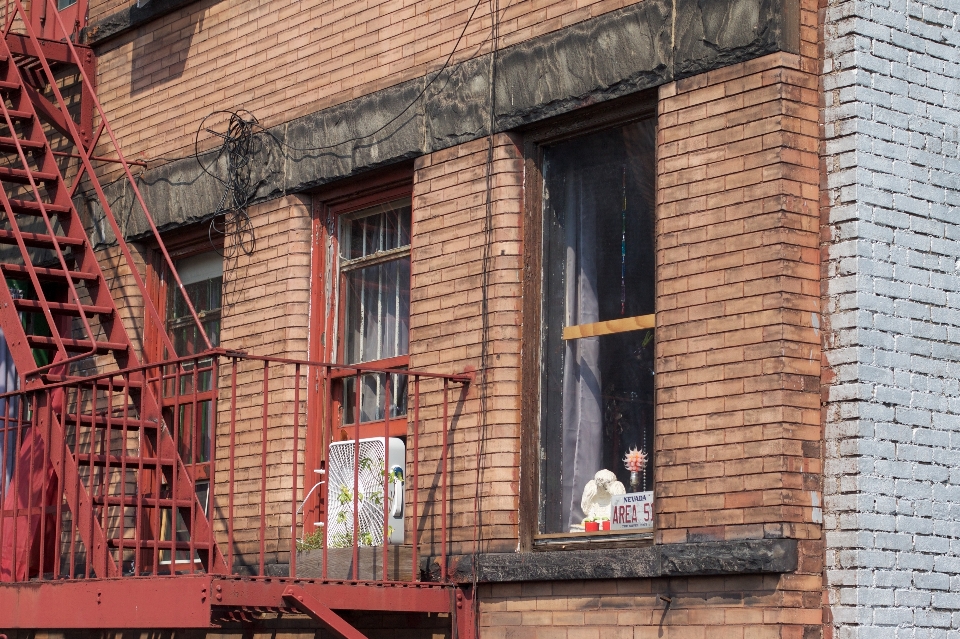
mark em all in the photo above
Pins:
pixel 256 436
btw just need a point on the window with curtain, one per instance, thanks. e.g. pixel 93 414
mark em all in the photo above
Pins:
pixel 375 298
pixel 597 377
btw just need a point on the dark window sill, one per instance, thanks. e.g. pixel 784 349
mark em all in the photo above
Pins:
pixel 742 557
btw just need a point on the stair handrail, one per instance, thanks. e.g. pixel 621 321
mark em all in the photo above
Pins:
pixel 56 244
pixel 86 85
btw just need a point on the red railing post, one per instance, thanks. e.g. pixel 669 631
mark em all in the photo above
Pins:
pixel 263 470
pixel 326 437
pixel 386 471
pixel 414 517
pixel 195 427
pixel 293 488
pixel 123 475
pixel 443 480
pixel 107 447
pixel 33 469
pixel 356 480
pixel 7 458
pixel 16 487
pixel 212 492
pixel 60 488
pixel 175 429
pixel 232 456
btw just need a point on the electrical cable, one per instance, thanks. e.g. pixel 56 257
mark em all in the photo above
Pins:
pixel 423 92
pixel 485 314
pixel 239 190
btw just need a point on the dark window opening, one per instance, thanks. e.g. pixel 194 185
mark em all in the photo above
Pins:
pixel 597 385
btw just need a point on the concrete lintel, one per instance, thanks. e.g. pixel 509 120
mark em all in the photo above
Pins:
pixel 616 54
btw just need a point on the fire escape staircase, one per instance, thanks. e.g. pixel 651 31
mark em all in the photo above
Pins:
pixel 51 276
pixel 47 252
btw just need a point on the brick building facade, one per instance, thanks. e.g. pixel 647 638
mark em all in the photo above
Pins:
pixel 798 273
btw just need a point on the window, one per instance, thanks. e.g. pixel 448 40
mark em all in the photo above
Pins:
pixel 188 394
pixel 359 314
pixel 597 326
pixel 375 303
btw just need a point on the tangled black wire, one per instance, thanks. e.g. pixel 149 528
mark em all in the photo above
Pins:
pixel 240 144
pixel 231 221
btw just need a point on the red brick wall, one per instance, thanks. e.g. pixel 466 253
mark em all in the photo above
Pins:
pixel 446 328
pixel 738 445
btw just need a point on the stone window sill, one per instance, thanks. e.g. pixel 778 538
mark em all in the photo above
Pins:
pixel 742 557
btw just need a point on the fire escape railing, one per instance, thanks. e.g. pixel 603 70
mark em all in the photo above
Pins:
pixel 269 444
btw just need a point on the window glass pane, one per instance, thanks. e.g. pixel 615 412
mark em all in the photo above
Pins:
pixel 381 228
pixel 599 261
pixel 377 315
pixel 202 277
pixel 373 397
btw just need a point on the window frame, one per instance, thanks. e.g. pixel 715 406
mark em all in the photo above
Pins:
pixel 325 341
pixel 580 123
pixel 187 243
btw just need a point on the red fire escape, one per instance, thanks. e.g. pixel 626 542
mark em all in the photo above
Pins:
pixel 109 515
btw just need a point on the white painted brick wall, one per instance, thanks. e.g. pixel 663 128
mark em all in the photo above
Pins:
pixel 892 311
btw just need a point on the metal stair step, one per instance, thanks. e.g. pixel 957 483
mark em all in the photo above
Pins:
pixel 162 545
pixel 62 308
pixel 39 240
pixel 19 271
pixel 76 345
pixel 19 115
pixel 30 207
pixel 22 176
pixel 9 144
pixel 135 500
pixel 8 86
pixel 116 461
pixel 100 383
pixel 100 421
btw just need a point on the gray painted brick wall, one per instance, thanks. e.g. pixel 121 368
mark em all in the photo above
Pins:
pixel 892 317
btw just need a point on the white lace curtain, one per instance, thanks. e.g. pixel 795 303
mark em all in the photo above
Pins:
pixel 582 404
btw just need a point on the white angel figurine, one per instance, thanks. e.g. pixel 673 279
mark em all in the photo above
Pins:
pixel 598 493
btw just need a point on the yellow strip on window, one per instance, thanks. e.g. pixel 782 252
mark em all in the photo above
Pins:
pixel 610 327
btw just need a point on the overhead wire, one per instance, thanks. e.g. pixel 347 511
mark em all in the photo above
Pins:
pixel 485 314
pixel 239 188
pixel 239 145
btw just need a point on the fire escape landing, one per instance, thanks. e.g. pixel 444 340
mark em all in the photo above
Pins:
pixel 106 520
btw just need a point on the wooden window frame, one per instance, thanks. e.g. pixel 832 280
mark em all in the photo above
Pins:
pixel 582 122
pixel 187 243
pixel 326 309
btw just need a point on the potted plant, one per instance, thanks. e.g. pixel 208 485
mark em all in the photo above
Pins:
pixel 595 523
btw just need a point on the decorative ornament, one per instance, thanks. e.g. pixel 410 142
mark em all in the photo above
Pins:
pixel 598 493
pixel 635 461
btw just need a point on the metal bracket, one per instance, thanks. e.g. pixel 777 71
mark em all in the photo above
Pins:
pixel 328 619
